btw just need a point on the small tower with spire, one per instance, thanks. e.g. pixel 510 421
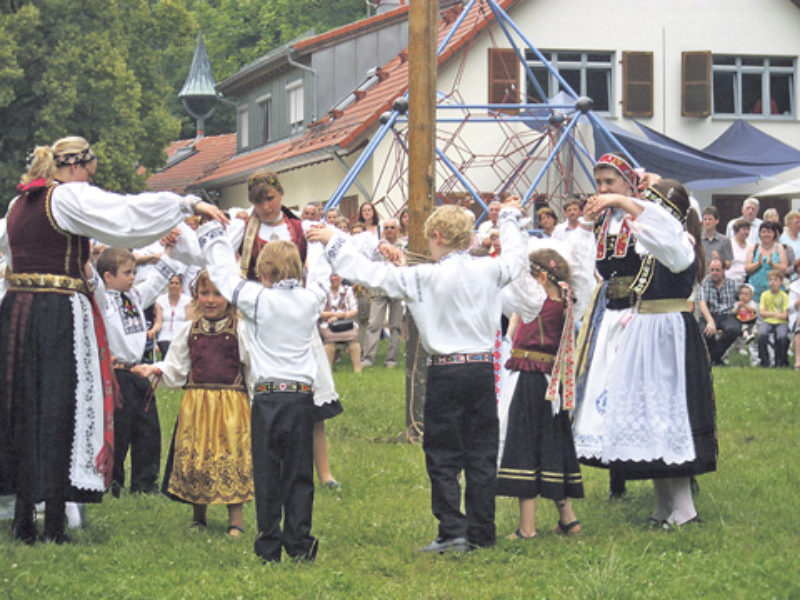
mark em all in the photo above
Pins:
pixel 198 94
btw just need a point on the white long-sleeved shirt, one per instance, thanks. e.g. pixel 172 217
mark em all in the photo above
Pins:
pixel 124 221
pixel 127 329
pixel 279 321
pixel 456 301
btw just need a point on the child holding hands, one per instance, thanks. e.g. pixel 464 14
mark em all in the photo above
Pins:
pixel 210 460
pixel 455 303
pixel 280 317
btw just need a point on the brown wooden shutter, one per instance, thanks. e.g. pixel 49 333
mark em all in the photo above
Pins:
pixel 503 76
pixel 696 88
pixel 637 84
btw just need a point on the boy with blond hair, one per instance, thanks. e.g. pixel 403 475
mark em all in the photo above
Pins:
pixel 280 317
pixel 455 303
pixel 774 312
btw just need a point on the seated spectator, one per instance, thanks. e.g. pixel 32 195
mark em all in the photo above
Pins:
pixel 746 312
pixel 774 311
pixel 715 245
pixel 341 305
pixel 716 302
pixel 546 217
pixel 739 249
pixel 765 257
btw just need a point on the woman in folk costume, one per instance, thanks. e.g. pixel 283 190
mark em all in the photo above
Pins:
pixel 660 418
pixel 56 398
pixel 210 460
pixel 617 262
pixel 537 455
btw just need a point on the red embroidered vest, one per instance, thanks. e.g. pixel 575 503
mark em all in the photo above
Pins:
pixel 543 334
pixel 38 245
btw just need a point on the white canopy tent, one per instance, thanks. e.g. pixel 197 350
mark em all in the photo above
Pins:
pixel 787 188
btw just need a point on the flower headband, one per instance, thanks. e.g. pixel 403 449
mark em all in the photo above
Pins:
pixel 621 166
pixel 665 200
pixel 75 158
pixel 269 180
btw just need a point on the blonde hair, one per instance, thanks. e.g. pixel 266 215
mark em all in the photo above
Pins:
pixel 203 278
pixel 454 223
pixel 787 218
pixel 278 261
pixel 775 274
pixel 44 157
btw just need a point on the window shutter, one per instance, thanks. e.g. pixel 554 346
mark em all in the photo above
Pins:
pixel 503 76
pixel 637 84
pixel 696 88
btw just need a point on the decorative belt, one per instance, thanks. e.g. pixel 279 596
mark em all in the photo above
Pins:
pixel 263 387
pixel 459 359
pixel 45 282
pixel 533 355
pixel 663 305
pixel 125 366
pixel 619 287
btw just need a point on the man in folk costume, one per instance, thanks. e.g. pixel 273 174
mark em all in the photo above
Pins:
pixel 617 262
pixel 56 398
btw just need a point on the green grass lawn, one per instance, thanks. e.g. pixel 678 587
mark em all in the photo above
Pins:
pixel 747 547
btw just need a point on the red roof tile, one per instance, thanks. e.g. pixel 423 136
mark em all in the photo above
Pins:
pixel 359 119
pixel 210 153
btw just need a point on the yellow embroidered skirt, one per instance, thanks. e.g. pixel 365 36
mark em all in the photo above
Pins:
pixel 211 461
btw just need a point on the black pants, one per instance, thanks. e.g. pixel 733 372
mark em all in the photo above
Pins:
pixel 461 433
pixel 136 426
pixel 731 329
pixel 283 473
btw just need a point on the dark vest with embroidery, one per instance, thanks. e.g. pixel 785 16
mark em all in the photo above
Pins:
pixel 611 266
pixel 657 282
pixel 543 334
pixel 214 352
pixel 37 244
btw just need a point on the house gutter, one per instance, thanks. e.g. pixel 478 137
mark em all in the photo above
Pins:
pixel 292 62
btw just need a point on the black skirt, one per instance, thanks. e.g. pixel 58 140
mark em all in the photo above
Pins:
pixel 38 377
pixel 539 454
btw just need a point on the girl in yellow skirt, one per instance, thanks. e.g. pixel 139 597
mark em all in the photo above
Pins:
pixel 210 460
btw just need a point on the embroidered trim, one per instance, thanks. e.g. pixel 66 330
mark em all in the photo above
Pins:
pixel 644 276
pixel 88 431
pixel 286 284
pixel 334 247
pixel 211 234
pixel 165 270
pixel 235 295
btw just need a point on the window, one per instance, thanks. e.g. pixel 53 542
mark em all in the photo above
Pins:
pixel 637 84
pixel 587 73
pixel 294 94
pixel 753 86
pixel 244 128
pixel 263 108
pixel 503 76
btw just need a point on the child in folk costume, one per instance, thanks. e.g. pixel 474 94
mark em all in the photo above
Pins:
pixel 136 422
pixel 537 455
pixel 660 415
pixel 455 303
pixel 280 317
pixel 210 461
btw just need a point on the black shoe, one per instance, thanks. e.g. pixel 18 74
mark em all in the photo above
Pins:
pixel 441 545
pixel 115 489
pixel 56 538
pixel 24 532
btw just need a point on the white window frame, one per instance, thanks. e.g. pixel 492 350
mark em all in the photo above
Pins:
pixel 266 99
pixel 295 105
pixel 243 127
pixel 765 70
pixel 583 64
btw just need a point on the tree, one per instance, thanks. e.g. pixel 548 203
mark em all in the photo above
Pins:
pixel 93 69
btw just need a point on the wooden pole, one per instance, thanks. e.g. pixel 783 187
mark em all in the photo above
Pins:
pixel 422 38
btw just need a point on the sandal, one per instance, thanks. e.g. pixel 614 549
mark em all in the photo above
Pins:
pixel 573 528
pixel 235 531
pixel 517 535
